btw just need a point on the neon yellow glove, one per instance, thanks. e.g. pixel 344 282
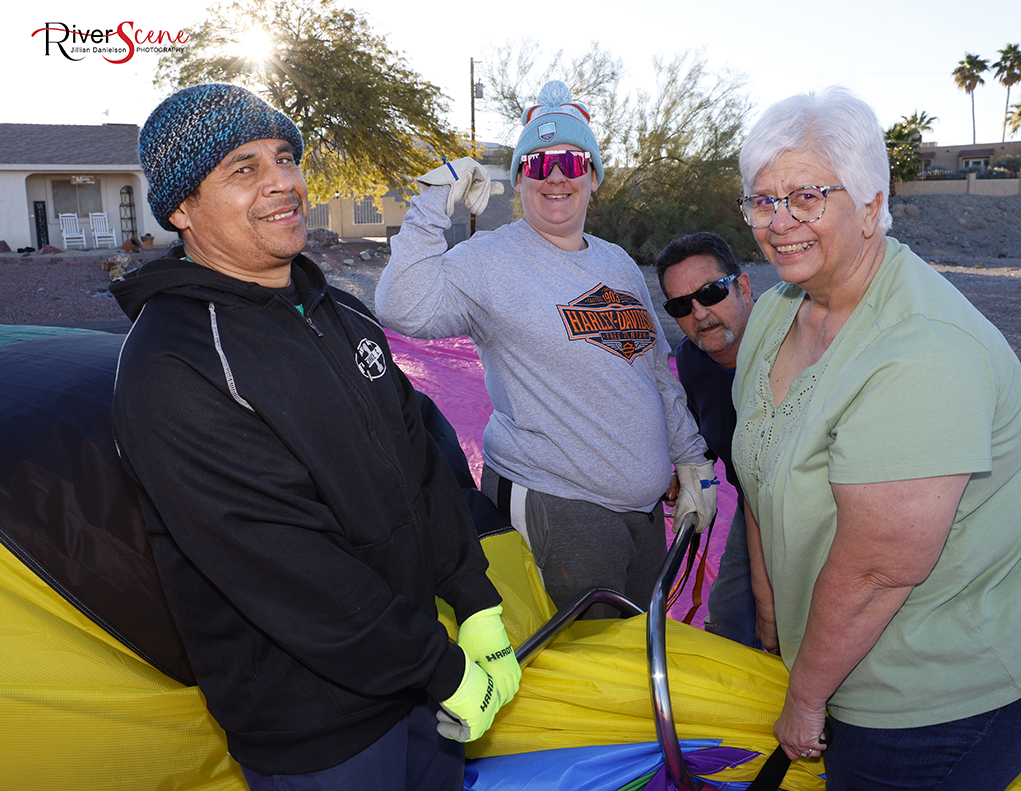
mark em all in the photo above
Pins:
pixel 484 638
pixel 468 713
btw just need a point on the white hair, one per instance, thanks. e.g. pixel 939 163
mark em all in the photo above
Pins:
pixel 837 127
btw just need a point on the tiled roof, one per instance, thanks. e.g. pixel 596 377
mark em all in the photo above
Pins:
pixel 52 144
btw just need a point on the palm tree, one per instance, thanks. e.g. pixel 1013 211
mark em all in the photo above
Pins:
pixel 1014 119
pixel 918 122
pixel 1008 72
pixel 967 77
pixel 902 141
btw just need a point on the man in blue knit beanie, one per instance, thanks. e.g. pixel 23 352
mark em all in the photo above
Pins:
pixel 302 518
pixel 187 136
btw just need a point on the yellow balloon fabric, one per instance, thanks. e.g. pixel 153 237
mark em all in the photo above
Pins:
pixel 591 686
pixel 79 710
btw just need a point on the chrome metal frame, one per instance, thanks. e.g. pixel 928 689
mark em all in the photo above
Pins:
pixel 550 630
pixel 663 711
pixel 666 733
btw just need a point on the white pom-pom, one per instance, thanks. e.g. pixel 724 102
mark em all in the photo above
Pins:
pixel 553 94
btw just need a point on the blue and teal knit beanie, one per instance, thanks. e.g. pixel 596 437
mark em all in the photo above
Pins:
pixel 554 120
pixel 191 132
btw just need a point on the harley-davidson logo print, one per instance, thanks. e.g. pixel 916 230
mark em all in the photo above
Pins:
pixel 370 359
pixel 615 320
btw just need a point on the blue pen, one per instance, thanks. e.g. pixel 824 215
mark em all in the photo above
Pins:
pixel 451 168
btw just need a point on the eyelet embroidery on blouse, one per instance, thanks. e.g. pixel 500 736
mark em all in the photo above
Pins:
pixel 768 430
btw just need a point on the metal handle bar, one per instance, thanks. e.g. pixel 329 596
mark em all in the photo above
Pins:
pixel 666 733
pixel 548 632
pixel 663 712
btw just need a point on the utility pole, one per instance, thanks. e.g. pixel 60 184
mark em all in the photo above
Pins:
pixel 476 90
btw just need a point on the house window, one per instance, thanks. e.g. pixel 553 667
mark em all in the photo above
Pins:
pixel 77 199
pixel 976 162
pixel 366 212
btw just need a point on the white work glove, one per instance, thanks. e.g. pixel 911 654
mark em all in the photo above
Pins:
pixel 469 184
pixel 698 493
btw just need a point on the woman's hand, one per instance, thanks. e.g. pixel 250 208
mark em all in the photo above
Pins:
pixel 800 729
pixel 765 626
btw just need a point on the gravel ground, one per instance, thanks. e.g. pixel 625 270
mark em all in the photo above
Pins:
pixel 974 241
pixel 72 289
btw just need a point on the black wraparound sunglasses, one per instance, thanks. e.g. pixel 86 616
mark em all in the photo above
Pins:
pixel 710 294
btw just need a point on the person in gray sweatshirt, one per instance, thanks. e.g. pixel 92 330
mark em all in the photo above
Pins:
pixel 588 417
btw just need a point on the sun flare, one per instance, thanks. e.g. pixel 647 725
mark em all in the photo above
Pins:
pixel 255 45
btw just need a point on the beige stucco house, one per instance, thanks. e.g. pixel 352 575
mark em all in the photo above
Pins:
pixel 964 156
pixel 49 169
pixel 954 158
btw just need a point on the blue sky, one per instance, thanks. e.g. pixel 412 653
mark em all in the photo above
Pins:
pixel 898 55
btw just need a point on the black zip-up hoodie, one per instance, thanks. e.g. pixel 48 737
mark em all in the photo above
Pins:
pixel 301 517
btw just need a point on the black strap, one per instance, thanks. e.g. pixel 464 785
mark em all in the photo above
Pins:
pixel 775 769
pixel 503 496
pixel 772 772
pixel 696 586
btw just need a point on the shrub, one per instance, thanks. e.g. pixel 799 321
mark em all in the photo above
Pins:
pixel 1013 164
pixel 993 173
pixel 942 174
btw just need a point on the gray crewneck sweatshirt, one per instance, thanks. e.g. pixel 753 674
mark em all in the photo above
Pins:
pixel 585 404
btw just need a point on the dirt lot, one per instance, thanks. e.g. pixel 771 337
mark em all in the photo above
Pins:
pixel 72 288
pixel 974 242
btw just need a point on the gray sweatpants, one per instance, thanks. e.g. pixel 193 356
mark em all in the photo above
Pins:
pixel 578 546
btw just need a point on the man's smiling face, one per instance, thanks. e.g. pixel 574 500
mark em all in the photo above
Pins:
pixel 247 217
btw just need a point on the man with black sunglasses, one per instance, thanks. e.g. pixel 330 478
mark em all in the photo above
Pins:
pixel 711 299
pixel 588 417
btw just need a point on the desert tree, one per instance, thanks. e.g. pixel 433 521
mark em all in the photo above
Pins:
pixel 368 120
pixel 1014 119
pixel 902 146
pixel 670 152
pixel 1008 72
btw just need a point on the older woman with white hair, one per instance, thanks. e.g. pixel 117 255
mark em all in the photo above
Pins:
pixel 878 442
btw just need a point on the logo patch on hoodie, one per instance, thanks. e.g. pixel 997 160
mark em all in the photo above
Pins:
pixel 370 359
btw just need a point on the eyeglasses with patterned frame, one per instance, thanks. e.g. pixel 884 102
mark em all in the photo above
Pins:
pixel 805 204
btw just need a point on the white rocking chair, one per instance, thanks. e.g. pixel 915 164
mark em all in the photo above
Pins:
pixel 101 231
pixel 71 231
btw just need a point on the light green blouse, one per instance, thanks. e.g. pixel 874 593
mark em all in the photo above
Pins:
pixel 916 384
